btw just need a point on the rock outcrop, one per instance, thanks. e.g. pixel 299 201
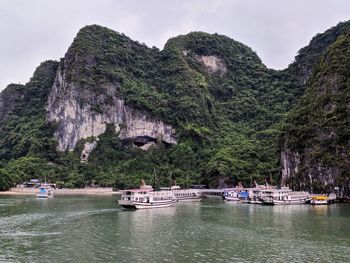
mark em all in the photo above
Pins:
pixel 82 113
pixel 290 165
pixel 311 174
pixel 9 98
pixel 212 64
pixel 88 148
pixel 315 153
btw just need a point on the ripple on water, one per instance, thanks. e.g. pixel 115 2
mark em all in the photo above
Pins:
pixel 97 230
pixel 20 220
pixel 29 234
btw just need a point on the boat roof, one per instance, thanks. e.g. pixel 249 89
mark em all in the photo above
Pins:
pixel 138 190
pixel 319 197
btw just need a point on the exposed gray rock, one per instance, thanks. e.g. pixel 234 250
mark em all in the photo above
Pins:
pixel 81 112
pixel 147 145
pixel 88 148
pixel 212 64
pixel 290 165
pixel 303 172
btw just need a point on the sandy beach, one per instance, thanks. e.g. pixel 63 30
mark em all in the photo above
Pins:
pixel 84 191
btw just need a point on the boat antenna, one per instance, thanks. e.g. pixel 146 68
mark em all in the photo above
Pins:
pixel 170 178
pixel 154 178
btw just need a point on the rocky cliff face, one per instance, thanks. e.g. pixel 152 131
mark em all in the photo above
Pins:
pixel 226 105
pixel 82 113
pixel 307 173
pixel 9 98
pixel 309 56
pixel 315 153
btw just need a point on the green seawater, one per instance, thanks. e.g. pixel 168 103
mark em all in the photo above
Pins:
pixel 96 229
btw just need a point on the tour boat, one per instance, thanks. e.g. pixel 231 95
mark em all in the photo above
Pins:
pixel 184 195
pixel 230 196
pixel 319 200
pixel 259 192
pixel 256 196
pixel 145 197
pixel 212 193
pixel 45 191
pixel 285 196
pixel 293 198
pixel 243 197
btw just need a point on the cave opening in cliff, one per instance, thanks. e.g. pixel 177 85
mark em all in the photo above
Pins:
pixel 140 141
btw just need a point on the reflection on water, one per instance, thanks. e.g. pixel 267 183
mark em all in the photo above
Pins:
pixel 96 229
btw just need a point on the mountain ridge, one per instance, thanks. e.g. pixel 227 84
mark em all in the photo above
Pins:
pixel 224 105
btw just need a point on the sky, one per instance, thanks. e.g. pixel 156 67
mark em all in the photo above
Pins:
pixel 38 30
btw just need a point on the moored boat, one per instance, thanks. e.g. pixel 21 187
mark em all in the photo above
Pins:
pixel 45 191
pixel 293 198
pixel 319 200
pixel 285 196
pixel 184 195
pixel 243 197
pixel 145 197
pixel 212 193
pixel 231 196
pixel 256 196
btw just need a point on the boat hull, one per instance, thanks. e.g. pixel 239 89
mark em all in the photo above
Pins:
pixel 153 205
pixel 44 196
pixel 189 199
pixel 255 202
pixel 143 205
pixel 317 202
pixel 231 199
pixel 290 202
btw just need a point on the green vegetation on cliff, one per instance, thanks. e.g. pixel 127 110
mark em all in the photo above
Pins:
pixel 318 128
pixel 226 106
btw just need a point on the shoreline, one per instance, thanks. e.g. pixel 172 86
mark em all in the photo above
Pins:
pixel 63 192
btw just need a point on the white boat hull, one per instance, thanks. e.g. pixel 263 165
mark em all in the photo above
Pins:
pixel 144 205
pixel 290 202
pixel 44 196
pixel 47 194
pixel 153 205
pixel 255 202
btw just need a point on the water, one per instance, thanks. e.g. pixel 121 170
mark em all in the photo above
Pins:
pixel 95 229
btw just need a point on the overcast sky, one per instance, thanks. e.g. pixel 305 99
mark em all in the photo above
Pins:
pixel 37 30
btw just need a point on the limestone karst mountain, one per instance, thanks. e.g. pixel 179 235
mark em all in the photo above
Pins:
pixel 205 109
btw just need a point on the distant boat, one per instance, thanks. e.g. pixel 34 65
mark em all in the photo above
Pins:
pixel 230 196
pixel 285 196
pixel 243 196
pixel 319 200
pixel 145 197
pixel 45 191
pixel 256 196
pixel 184 195
pixel 212 193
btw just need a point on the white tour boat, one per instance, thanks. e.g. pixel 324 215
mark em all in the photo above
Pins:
pixel 184 195
pixel 231 195
pixel 293 198
pixel 285 196
pixel 45 191
pixel 145 197
pixel 259 192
